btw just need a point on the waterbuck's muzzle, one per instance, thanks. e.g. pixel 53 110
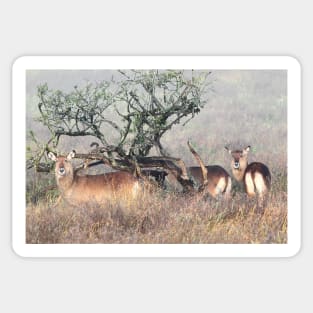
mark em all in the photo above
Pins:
pixel 236 165
pixel 62 171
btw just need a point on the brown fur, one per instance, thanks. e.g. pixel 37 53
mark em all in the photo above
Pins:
pixel 213 178
pixel 77 189
pixel 218 179
pixel 256 176
pixel 255 168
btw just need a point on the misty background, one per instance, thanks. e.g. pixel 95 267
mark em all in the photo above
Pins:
pixel 244 107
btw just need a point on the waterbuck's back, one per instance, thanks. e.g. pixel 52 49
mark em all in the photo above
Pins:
pixel 113 186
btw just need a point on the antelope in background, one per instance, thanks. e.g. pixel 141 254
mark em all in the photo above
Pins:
pixel 76 189
pixel 255 176
pixel 214 178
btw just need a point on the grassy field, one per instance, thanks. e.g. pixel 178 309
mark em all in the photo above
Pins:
pixel 160 218
pixel 247 108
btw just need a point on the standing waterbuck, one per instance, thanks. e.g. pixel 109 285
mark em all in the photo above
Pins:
pixel 77 189
pixel 212 178
pixel 255 176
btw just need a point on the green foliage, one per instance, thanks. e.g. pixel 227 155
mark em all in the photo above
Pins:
pixel 146 104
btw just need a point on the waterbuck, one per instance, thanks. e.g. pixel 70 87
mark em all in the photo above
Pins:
pixel 214 178
pixel 255 176
pixel 77 189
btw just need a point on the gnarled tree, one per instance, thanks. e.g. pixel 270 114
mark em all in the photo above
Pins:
pixel 136 108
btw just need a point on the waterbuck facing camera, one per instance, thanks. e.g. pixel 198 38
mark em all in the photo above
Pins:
pixel 78 189
pixel 255 176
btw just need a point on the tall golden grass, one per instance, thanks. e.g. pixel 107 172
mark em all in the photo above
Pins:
pixel 161 218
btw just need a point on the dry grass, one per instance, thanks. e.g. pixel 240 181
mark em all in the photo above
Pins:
pixel 161 218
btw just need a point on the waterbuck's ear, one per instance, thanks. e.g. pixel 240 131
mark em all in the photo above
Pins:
pixel 246 150
pixel 71 155
pixel 52 156
pixel 229 151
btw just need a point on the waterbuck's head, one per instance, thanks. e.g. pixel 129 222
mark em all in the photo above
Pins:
pixel 239 161
pixel 63 165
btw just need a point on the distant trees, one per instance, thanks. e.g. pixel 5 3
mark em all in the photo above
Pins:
pixel 136 110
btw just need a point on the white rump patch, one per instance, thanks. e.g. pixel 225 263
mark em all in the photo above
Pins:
pixel 259 183
pixel 249 184
pixel 228 188
pixel 220 187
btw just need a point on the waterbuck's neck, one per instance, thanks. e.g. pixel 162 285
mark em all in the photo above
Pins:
pixel 239 164
pixel 65 182
pixel 239 173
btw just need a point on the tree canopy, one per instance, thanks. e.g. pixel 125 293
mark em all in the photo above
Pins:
pixel 139 108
